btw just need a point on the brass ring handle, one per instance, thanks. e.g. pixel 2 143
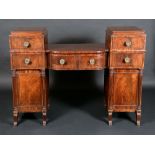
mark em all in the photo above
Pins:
pixel 127 59
pixel 27 61
pixel 128 43
pixel 62 61
pixel 26 44
pixel 92 61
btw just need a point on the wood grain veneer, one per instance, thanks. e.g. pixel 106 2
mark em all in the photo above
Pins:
pixel 122 59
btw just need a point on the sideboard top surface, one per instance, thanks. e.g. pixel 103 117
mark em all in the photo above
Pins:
pixel 28 31
pixel 130 29
pixel 76 48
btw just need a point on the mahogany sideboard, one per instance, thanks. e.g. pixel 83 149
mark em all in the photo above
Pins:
pixel 122 58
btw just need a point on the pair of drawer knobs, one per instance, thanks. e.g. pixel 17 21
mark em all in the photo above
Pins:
pixel 91 61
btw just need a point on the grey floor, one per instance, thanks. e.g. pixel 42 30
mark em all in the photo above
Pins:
pixel 78 112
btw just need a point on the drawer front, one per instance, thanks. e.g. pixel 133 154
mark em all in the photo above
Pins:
pixel 62 62
pixel 126 60
pixel 27 42
pixel 92 62
pixel 28 61
pixel 128 43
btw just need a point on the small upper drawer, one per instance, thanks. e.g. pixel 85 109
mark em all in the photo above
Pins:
pixel 62 62
pixel 25 42
pixel 28 61
pixel 92 62
pixel 128 43
pixel 126 60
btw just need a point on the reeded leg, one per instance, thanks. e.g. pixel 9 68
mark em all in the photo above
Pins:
pixel 110 117
pixel 44 115
pixel 138 117
pixel 15 117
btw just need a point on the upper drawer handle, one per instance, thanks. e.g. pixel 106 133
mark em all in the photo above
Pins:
pixel 62 61
pixel 27 61
pixel 127 59
pixel 128 43
pixel 26 44
pixel 92 61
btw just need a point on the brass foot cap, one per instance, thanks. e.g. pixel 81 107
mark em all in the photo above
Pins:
pixel 44 123
pixel 110 123
pixel 14 123
pixel 138 123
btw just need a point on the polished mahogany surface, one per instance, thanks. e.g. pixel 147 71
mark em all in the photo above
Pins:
pixel 122 58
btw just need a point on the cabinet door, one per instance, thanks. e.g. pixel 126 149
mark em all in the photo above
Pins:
pixel 125 90
pixel 29 90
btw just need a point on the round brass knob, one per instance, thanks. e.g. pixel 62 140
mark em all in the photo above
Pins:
pixel 127 60
pixel 26 44
pixel 128 43
pixel 62 61
pixel 27 61
pixel 92 61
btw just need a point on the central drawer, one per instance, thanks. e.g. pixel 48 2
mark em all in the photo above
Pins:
pixel 28 61
pixel 76 61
